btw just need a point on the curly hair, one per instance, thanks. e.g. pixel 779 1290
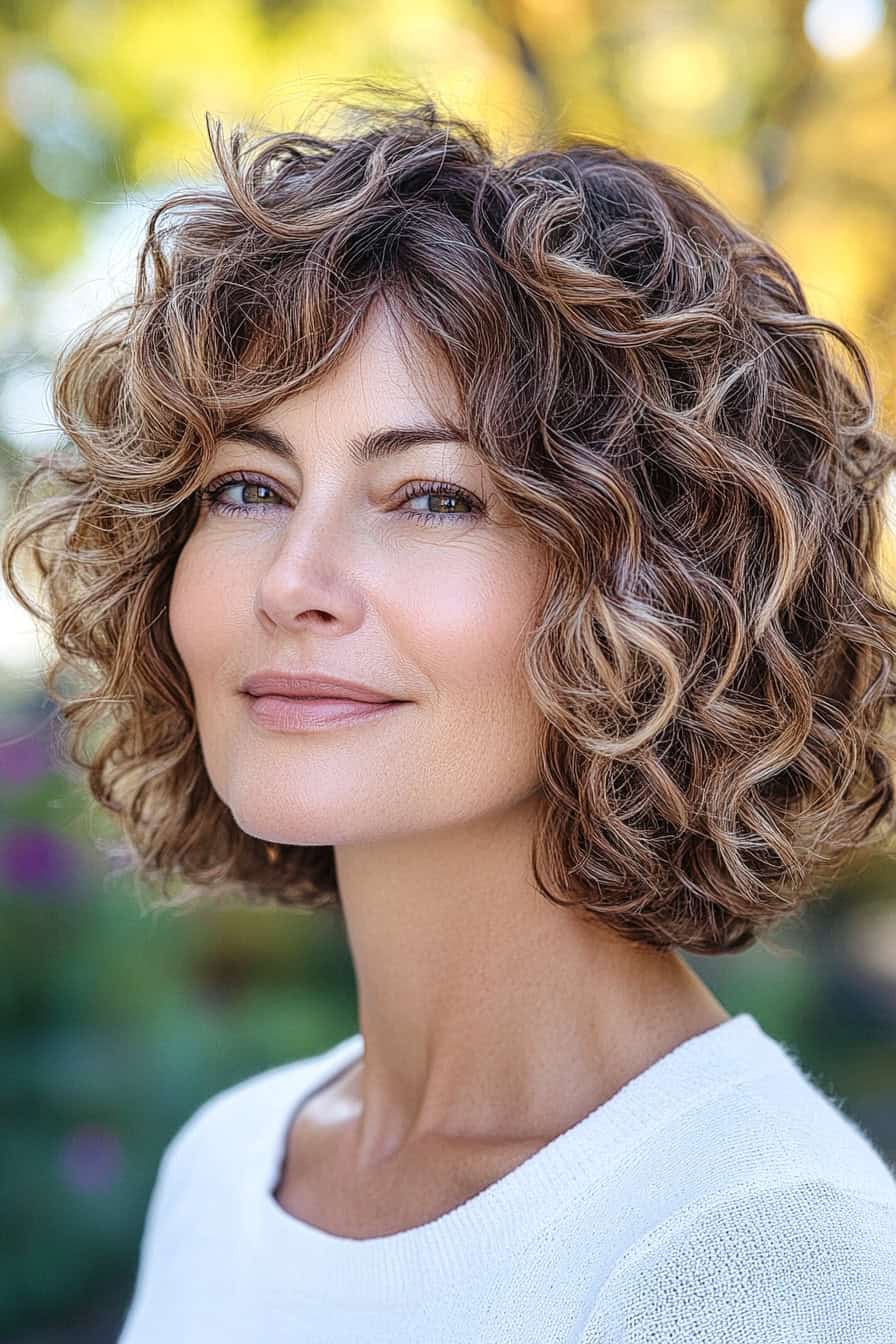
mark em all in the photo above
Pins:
pixel 713 649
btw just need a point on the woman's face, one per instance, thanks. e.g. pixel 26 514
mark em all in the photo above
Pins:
pixel 328 568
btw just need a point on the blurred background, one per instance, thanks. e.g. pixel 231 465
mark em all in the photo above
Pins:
pixel 118 1021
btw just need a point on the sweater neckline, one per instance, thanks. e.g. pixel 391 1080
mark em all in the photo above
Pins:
pixel 465 1240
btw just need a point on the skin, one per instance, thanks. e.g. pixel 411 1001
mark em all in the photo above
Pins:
pixel 492 1019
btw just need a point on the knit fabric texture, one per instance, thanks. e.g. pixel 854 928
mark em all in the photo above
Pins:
pixel 722 1196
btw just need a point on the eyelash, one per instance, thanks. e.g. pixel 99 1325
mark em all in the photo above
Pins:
pixel 208 498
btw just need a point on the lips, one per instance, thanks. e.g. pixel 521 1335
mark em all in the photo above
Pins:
pixel 312 688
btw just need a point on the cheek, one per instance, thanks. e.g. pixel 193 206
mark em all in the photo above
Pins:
pixel 469 629
pixel 200 615
pixel 477 744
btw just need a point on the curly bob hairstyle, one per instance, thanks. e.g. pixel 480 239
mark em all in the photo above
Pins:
pixel 713 650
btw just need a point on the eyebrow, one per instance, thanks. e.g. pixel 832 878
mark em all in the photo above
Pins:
pixel 369 447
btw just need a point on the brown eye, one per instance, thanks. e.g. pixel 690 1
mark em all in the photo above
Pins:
pixel 442 490
pixel 210 495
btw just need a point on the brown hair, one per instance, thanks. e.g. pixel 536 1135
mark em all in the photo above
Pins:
pixel 713 654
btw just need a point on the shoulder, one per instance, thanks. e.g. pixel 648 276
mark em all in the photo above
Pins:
pixel 228 1110
pixel 232 1128
pixel 246 1109
pixel 774 1126
pixel 812 1255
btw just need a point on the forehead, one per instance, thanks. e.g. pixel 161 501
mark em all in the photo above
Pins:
pixel 386 393
pixel 388 366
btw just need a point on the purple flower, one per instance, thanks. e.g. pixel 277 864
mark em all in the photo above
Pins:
pixel 39 861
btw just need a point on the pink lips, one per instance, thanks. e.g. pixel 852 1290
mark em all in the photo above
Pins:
pixel 290 714
pixel 311 685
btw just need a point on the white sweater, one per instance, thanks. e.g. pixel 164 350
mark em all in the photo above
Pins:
pixel 720 1197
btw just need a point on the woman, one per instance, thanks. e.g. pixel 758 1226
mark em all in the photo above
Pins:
pixel 548 461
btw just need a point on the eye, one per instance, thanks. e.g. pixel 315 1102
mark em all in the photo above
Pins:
pixel 441 490
pixel 211 498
